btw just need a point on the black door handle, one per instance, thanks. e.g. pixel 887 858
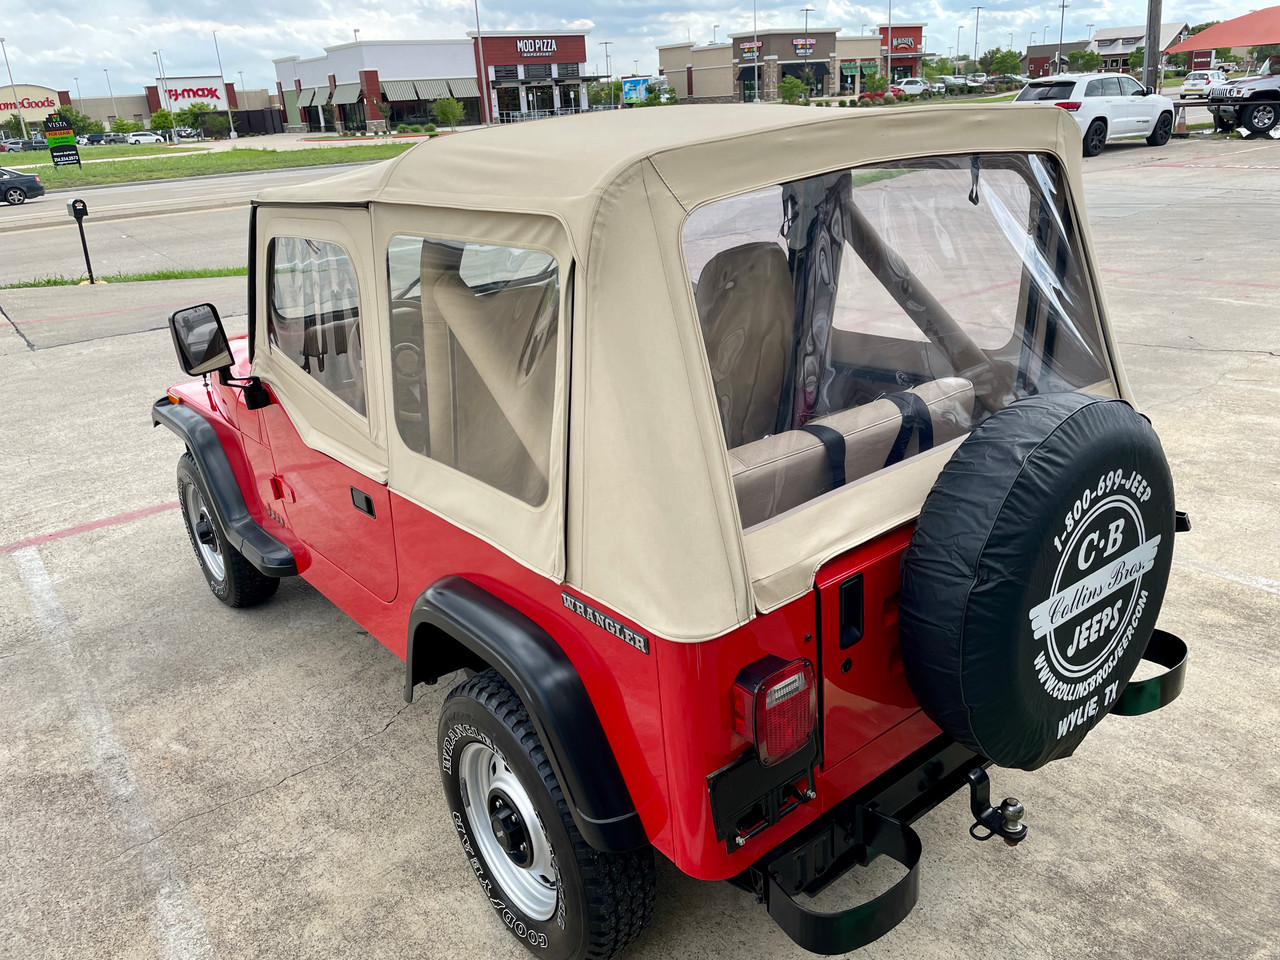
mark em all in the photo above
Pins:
pixel 851 619
pixel 362 501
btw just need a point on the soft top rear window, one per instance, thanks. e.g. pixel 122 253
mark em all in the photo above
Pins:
pixel 1059 90
pixel 860 318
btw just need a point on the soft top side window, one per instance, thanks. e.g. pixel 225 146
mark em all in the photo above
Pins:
pixel 313 315
pixel 473 358
pixel 859 318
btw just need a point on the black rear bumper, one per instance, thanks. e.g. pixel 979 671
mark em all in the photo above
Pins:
pixel 876 822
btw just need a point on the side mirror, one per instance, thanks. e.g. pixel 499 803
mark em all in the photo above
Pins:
pixel 199 339
pixel 1150 91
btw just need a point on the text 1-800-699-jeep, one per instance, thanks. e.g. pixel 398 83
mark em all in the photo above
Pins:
pixel 771 477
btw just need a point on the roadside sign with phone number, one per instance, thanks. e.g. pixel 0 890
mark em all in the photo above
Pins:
pixel 62 141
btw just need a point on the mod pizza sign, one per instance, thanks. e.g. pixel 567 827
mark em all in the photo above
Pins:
pixel 182 92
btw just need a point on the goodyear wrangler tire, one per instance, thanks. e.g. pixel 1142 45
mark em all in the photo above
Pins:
pixel 560 897
pixel 1033 579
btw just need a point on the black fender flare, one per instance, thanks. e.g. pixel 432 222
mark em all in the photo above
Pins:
pixel 271 557
pixel 491 632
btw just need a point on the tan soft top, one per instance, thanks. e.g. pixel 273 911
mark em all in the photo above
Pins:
pixel 645 517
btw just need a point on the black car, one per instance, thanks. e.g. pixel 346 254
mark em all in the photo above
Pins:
pixel 95 139
pixel 17 187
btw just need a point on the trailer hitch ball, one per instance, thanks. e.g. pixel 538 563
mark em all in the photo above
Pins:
pixel 1004 821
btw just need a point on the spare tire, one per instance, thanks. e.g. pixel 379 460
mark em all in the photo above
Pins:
pixel 1033 579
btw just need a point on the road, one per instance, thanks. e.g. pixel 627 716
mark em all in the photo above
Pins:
pixel 139 227
pixel 186 780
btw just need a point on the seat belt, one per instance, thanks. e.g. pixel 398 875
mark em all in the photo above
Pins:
pixel 833 442
pixel 915 419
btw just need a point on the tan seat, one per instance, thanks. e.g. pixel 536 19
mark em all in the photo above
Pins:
pixel 772 475
pixel 747 307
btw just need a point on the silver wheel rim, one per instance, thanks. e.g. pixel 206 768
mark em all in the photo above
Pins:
pixel 486 777
pixel 14 196
pixel 1263 116
pixel 199 519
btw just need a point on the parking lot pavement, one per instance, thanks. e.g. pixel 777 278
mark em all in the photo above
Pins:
pixel 185 780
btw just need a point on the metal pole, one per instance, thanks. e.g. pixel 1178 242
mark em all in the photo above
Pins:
pixel 608 68
pixel 888 60
pixel 755 38
pixel 954 65
pixel 164 88
pixel 486 115
pixel 85 246
pixel 114 112
pixel 1062 23
pixel 1089 26
pixel 1151 56
pixel 14 87
pixel 77 80
pixel 230 123
pixel 977 12
pixel 714 28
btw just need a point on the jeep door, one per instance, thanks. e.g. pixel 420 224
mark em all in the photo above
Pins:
pixel 1140 110
pixel 319 348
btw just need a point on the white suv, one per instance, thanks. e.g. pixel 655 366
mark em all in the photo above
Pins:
pixel 1108 106
pixel 145 136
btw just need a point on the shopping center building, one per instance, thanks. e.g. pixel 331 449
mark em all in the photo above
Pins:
pixel 752 63
pixel 380 84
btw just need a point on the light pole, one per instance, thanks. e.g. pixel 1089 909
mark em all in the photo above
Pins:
pixel 977 12
pixel 1062 23
pixel 77 80
pixel 114 113
pixel 164 84
pixel 1089 27
pixel 355 32
pixel 959 27
pixel 862 30
pixel 755 38
pixel 484 73
pixel 14 87
pixel 607 67
pixel 714 28
pixel 241 73
pixel 231 124
pixel 637 63
pixel 1044 37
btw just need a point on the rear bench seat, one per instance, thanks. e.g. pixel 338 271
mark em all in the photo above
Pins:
pixel 776 473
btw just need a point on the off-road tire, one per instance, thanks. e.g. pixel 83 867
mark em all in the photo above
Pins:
pixel 240 583
pixel 1163 131
pixel 1261 118
pixel 15 196
pixel 603 900
pixel 1095 138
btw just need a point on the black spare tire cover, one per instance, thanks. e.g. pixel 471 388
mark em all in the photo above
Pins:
pixel 1033 579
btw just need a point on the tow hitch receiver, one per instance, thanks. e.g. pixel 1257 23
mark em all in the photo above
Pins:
pixel 1004 821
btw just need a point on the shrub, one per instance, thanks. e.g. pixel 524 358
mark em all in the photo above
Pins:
pixel 889 98
pixel 429 128
pixel 402 128
pixel 844 103
pixel 865 103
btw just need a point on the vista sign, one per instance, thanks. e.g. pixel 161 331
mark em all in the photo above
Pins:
pixel 62 141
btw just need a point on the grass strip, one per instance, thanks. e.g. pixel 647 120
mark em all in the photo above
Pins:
pixel 239 160
pixel 196 274
pixel 110 151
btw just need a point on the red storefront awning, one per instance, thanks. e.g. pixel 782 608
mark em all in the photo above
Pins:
pixel 1251 30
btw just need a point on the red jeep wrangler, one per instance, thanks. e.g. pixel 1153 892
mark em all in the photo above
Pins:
pixel 770 475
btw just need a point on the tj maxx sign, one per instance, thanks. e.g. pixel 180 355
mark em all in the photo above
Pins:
pixel 181 92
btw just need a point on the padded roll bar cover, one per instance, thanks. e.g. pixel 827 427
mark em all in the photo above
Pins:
pixel 271 557
pixel 550 688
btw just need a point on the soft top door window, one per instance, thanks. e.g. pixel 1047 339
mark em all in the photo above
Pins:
pixel 314 318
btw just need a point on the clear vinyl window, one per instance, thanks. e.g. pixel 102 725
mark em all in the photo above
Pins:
pixel 474 329
pixel 860 318
pixel 314 315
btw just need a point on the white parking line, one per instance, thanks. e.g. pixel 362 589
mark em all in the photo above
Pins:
pixel 1246 579
pixel 176 924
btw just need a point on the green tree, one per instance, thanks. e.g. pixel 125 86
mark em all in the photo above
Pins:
pixel 193 116
pixel 1091 61
pixel 988 59
pixel 1200 27
pixel 1178 61
pixel 448 111
pixel 942 67
pixel 120 125
pixel 12 127
pixel 162 119
pixel 1006 62
pixel 1264 52
pixel 791 89
pixel 81 123
pixel 1136 58
pixel 217 125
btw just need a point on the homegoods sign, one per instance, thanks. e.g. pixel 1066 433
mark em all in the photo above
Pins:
pixel 34 103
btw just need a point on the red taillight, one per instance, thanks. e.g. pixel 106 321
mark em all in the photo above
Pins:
pixel 775 706
pixel 1070 105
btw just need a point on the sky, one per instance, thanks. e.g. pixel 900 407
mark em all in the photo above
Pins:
pixel 50 42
